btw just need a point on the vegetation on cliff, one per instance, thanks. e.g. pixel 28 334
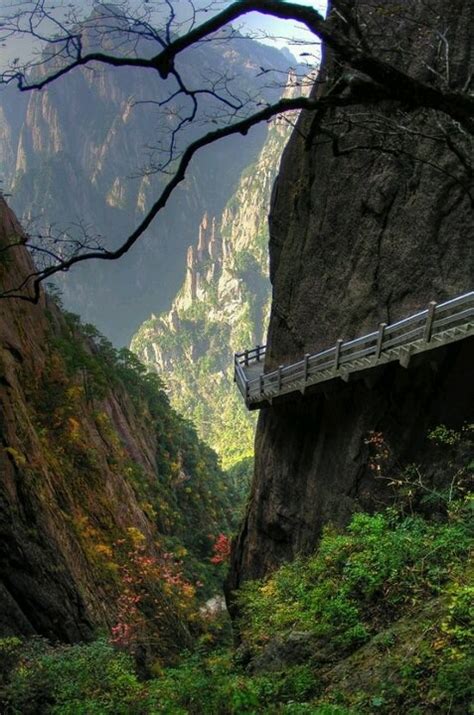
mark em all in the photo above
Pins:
pixel 110 505
pixel 113 516
pixel 185 500
pixel 189 500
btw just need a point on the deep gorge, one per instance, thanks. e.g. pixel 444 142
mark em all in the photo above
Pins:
pixel 126 508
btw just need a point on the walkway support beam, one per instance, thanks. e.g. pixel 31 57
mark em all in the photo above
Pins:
pixel 429 321
pixel 279 378
pixel 380 336
pixel 337 357
pixel 306 367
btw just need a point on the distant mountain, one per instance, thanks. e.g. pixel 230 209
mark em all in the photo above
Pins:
pixel 68 153
pixel 221 307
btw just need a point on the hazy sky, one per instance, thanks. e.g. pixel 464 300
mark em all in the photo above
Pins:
pixel 282 31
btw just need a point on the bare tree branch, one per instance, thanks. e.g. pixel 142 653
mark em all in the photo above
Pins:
pixel 241 127
pixel 398 84
pixel 365 79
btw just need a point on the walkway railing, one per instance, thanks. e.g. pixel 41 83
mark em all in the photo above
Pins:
pixel 439 324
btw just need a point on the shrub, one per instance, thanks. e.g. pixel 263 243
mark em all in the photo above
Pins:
pixel 357 581
pixel 88 679
pixel 384 570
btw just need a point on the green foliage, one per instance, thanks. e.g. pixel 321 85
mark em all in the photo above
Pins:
pixel 389 600
pixel 95 679
pixel 213 685
pixel 189 496
pixel 226 316
pixel 443 435
pixel 88 354
pixel 357 580
pixel 200 379
pixel 384 569
pixel 245 263
pixel 240 476
pixel 72 403
pixel 9 653
pixel 71 680
pixel 54 294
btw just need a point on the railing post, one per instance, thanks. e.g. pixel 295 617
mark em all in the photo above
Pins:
pixel 235 367
pixel 337 358
pixel 280 368
pixel 306 367
pixel 261 386
pixel 429 321
pixel 246 358
pixel 258 353
pixel 380 336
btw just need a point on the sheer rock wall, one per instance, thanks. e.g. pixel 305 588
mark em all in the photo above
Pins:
pixel 358 238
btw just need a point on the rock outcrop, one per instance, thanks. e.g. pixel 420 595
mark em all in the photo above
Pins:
pixel 359 236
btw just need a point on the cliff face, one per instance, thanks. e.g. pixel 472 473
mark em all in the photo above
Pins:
pixel 359 236
pixel 222 306
pixel 102 485
pixel 68 154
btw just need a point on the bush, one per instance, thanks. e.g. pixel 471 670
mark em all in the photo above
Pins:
pixel 356 581
pixel 400 578
pixel 72 680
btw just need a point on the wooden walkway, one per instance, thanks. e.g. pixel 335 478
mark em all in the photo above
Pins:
pixel 440 324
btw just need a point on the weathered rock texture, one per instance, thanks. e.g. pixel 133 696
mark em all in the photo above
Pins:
pixel 75 469
pixel 358 238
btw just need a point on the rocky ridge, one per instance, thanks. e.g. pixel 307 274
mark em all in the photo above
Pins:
pixel 221 307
